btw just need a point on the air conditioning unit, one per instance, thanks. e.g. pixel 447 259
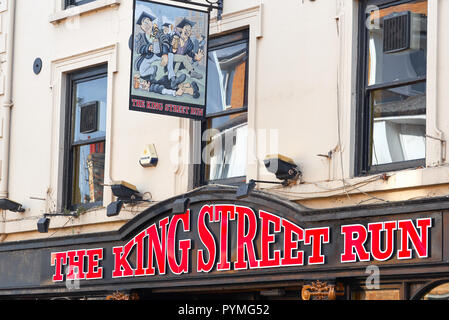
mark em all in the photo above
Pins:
pixel 402 31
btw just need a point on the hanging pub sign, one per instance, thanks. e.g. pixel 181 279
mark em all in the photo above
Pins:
pixel 169 60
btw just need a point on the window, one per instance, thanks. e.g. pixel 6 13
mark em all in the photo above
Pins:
pixel 441 292
pixel 391 124
pixel 69 3
pixel 85 138
pixel 225 130
pixel 376 294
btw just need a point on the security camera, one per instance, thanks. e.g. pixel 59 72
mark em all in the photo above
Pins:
pixel 283 167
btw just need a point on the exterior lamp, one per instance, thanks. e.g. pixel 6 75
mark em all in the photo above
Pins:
pixel 44 222
pixel 125 193
pixel 284 169
pixel 10 205
pixel 244 190
pixel 114 208
pixel 181 206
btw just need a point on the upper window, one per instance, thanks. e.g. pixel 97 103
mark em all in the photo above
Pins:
pixel 225 130
pixel 69 3
pixel 392 85
pixel 85 138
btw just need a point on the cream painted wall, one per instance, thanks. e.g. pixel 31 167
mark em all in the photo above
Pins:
pixel 299 51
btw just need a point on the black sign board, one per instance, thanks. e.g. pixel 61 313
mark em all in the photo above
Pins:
pixel 169 60
pixel 225 241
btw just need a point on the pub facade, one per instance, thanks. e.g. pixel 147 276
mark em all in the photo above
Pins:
pixel 224 149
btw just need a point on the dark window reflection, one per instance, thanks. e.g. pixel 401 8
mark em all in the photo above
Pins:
pixel 399 124
pixel 88 173
pixel 88 147
pixel 397 53
pixel 227 78
pixel 226 129
pixel 69 3
pixel 404 64
pixel 227 146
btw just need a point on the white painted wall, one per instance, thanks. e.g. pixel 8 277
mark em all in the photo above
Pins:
pixel 299 51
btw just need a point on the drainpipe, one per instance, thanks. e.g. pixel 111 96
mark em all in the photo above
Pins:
pixel 6 110
pixel 7 101
pixel 433 131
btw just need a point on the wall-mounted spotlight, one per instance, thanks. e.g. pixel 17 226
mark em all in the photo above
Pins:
pixel 283 167
pixel 10 205
pixel 181 206
pixel 114 208
pixel 245 189
pixel 44 222
pixel 125 193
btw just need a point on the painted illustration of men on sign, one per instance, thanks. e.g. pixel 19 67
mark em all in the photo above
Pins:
pixel 168 55
pixel 146 46
pixel 152 48
pixel 183 49
pixel 163 86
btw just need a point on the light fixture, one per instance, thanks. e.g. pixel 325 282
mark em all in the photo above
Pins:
pixel 125 191
pixel 44 222
pixel 10 205
pixel 114 208
pixel 283 167
pixel 245 189
pixel 181 205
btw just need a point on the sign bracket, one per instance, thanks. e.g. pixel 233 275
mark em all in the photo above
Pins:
pixel 211 4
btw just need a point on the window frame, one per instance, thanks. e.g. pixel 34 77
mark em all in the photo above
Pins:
pixel 86 74
pixel 216 43
pixel 69 3
pixel 364 115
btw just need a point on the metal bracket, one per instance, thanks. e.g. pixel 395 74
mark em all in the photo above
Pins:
pixel 211 4
pixel 60 215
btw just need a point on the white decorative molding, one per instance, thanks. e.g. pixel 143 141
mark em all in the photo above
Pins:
pixel 435 142
pixel 61 14
pixel 250 16
pixel 2 43
pixel 3 5
pixel 60 67
pixel 2 86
